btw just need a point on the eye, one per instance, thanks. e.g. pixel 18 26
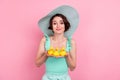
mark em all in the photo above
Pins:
pixel 54 23
pixel 61 22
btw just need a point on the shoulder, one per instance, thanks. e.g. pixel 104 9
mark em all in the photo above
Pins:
pixel 43 39
pixel 73 41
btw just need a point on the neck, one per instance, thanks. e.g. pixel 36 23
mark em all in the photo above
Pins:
pixel 58 37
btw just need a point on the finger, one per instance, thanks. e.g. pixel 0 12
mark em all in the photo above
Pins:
pixel 66 54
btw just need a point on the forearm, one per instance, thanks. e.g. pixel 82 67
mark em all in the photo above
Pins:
pixel 41 60
pixel 70 62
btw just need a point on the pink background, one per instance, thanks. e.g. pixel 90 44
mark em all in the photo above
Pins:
pixel 97 37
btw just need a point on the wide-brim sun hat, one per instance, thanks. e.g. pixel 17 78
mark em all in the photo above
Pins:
pixel 69 12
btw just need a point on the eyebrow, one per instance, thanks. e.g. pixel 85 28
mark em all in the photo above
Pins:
pixel 53 21
pixel 60 21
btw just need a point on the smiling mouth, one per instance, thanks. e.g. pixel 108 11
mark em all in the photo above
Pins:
pixel 58 29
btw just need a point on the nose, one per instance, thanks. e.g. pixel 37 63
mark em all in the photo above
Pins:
pixel 58 25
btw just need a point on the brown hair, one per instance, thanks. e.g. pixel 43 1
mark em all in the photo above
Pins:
pixel 67 24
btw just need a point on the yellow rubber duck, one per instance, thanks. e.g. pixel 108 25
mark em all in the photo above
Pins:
pixel 51 51
pixel 56 52
pixel 62 52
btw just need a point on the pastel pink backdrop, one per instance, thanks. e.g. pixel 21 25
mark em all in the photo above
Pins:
pixel 97 37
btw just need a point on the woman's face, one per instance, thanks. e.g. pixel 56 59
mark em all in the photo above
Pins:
pixel 58 25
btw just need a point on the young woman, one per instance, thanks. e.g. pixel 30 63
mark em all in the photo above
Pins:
pixel 57 66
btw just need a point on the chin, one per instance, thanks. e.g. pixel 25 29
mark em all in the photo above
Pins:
pixel 59 32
